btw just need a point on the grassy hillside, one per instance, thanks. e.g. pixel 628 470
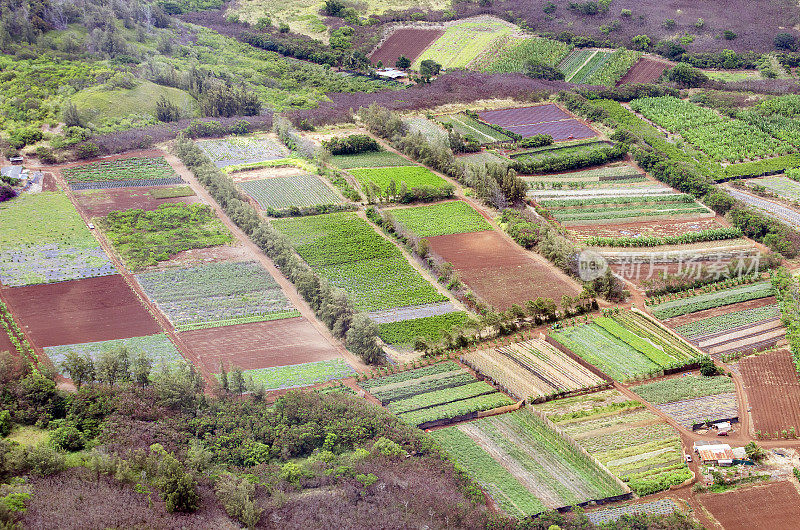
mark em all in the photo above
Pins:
pixel 99 103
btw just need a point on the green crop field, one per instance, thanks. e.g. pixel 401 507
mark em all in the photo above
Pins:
pixel 370 159
pixel 525 453
pixel 679 388
pixel 717 324
pixel 43 239
pixel 662 338
pixel 429 328
pixel 279 193
pixel 630 442
pixel 216 294
pixel 455 217
pixel 157 348
pixel 352 256
pixel 559 149
pixel 607 209
pixel 600 348
pixel 516 54
pixel 144 238
pixel 172 192
pixel 781 186
pixel 299 375
pixel 701 302
pixel 467 126
pixel 411 176
pixel 137 168
pixel 463 43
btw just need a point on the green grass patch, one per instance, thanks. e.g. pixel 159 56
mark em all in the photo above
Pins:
pixel 172 193
pixel 299 375
pixel 370 159
pixel 97 103
pixel 411 176
pixel 27 435
pixel 145 238
pixel 429 328
pixel 455 217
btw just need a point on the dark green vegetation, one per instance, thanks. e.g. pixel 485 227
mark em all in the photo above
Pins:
pixel 144 238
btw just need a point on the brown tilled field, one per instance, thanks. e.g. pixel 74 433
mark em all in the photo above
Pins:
pixel 498 271
pixel 663 228
pixel 769 507
pixel 646 70
pixel 773 390
pixel 260 345
pixel 98 203
pixel 78 311
pixel 49 183
pixel 410 42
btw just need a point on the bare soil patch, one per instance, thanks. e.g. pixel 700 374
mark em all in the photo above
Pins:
pixel 266 173
pixel 99 203
pixel 196 256
pixel 646 70
pixel 260 345
pixel 773 390
pixel 78 311
pixel 664 227
pixel 410 42
pixel 49 183
pixel 498 271
pixel 775 505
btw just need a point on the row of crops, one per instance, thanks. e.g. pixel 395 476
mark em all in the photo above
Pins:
pixel 395 181
pixel 468 126
pixel 298 375
pixel 591 210
pixel 346 250
pixel 728 321
pixel 464 42
pixel 635 445
pixel 532 369
pixel 281 193
pixel 626 346
pixel 435 393
pixel 719 137
pixel 43 239
pixel 234 150
pixel 597 67
pixel 158 350
pixel 445 218
pixel 513 55
pixel 525 464
pixel 216 294
pixel 711 300
pixel 126 169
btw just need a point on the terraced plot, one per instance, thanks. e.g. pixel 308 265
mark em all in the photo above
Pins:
pixel 299 375
pixel 405 42
pixel 784 214
pixel 43 239
pixel 411 177
pixel 602 210
pixel 234 150
pixel 532 369
pixel 727 322
pixel 703 410
pixel 463 42
pixel 370 159
pixel 514 54
pixel 346 250
pixel 633 444
pixel 470 127
pixel 456 217
pixel 701 302
pixel 218 294
pixel 121 173
pixel 157 348
pixel 782 186
pixel 517 452
pixel 659 507
pixel 280 193
pixel 587 177
pixel 773 391
pixel 405 331
pixel 582 147
pixel 693 400
pixel 539 119
pixel 747 338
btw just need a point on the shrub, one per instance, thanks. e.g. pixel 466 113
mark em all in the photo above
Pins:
pixel 385 447
pixel 5 423
pixel 686 76
pixel 43 460
pixel 785 41
pixel 351 145
pixel 67 438
pixel 728 35
pixel 236 496
pixel 177 486
pixel 537 140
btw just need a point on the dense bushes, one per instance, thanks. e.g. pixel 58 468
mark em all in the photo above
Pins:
pixel 788 295
pixel 351 145
pixel 553 164
pixel 765 229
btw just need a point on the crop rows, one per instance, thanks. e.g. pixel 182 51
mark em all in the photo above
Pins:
pixel 440 397
pixel 663 338
pixel 406 389
pixel 463 43
pixel 456 409
pixel 690 412
pixel 659 507
pixel 299 375
pixel 218 292
pixel 532 369
pixel 233 150
pixel 410 375
pixel 408 177
pixel 352 256
pixel 468 126
pixel 693 304
pixel 138 168
pixel 455 217
pixel 720 323
pixel 674 114
pixel 574 61
pixel 157 348
pixel 429 328
pixel 680 388
pixel 43 239
pixel 643 209
pixel 782 186
pixel 370 159
pixel 129 183
pixel 515 56
pixel 283 192
pixel 643 345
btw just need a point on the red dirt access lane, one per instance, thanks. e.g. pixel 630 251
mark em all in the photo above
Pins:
pixel 78 311
pixel 259 345
pixel 498 271
pixel 98 203
pixel 410 42
pixel 773 390
pixel 771 507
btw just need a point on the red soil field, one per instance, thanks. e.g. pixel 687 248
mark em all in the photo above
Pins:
pixel 410 42
pixel 5 342
pixel 498 271
pixel 259 345
pixel 559 130
pixel 664 227
pixel 49 183
pixel 769 507
pixel 646 70
pixel 773 391
pixel 524 115
pixel 77 311
pixel 98 203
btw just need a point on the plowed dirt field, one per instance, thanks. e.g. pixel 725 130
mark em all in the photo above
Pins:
pixel 769 507
pixel 646 70
pixel 498 271
pixel 410 42
pixel 78 311
pixel 98 203
pixel 773 390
